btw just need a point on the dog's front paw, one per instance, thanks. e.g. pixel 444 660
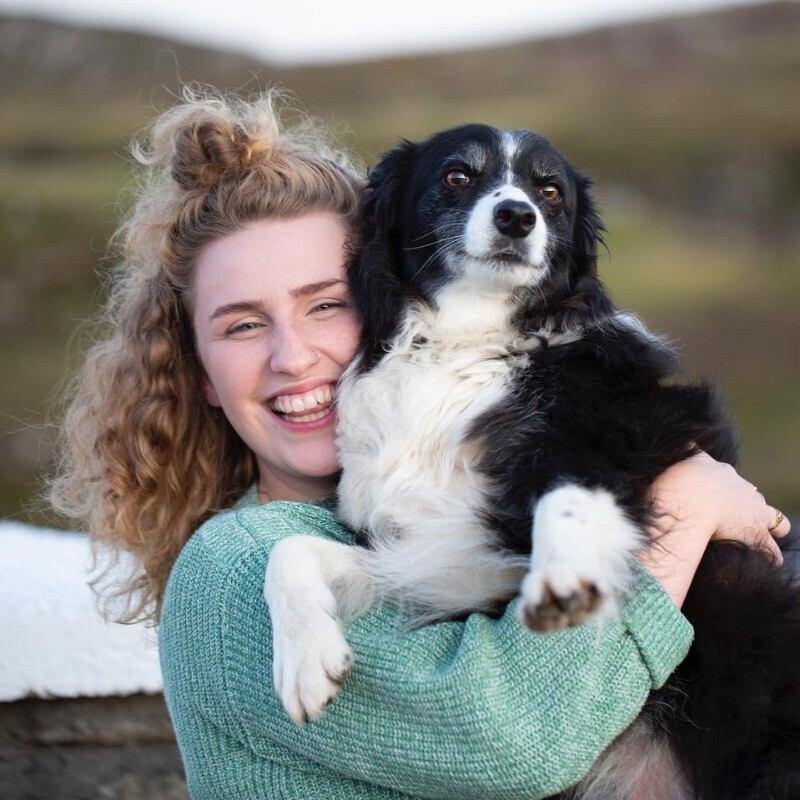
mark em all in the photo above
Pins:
pixel 559 598
pixel 309 668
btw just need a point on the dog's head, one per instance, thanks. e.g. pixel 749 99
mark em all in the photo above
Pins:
pixel 493 209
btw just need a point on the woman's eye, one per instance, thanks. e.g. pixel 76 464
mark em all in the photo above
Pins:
pixel 550 192
pixel 328 305
pixel 456 177
pixel 242 327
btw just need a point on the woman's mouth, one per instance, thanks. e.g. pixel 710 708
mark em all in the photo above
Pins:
pixel 308 406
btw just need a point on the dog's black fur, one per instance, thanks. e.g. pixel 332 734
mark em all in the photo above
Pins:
pixel 603 411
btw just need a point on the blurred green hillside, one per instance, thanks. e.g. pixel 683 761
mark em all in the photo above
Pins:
pixel 689 126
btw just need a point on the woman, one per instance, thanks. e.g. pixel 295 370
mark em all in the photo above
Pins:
pixel 210 405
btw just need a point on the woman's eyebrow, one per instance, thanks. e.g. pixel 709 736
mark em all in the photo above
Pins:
pixel 258 306
pixel 238 307
pixel 313 288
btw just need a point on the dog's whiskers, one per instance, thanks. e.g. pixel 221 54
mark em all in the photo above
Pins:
pixel 424 265
pixel 444 246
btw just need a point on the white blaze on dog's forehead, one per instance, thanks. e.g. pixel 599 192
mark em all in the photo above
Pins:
pixel 510 146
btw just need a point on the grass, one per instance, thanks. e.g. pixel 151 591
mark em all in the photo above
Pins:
pixel 675 268
pixel 731 304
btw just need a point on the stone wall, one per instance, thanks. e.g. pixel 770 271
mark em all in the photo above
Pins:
pixel 110 748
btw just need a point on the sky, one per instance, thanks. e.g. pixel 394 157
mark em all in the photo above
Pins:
pixel 302 32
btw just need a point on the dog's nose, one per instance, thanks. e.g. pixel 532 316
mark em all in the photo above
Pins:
pixel 514 218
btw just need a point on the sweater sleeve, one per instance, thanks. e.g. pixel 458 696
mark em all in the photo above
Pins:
pixel 472 709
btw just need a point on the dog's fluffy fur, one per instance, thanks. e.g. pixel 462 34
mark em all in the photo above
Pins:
pixel 499 431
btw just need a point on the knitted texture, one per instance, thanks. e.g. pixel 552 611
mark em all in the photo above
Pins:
pixel 476 709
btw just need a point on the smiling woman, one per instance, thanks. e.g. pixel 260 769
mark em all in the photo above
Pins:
pixel 214 297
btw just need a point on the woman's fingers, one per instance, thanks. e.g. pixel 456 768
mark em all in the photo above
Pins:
pixel 778 525
pixel 769 544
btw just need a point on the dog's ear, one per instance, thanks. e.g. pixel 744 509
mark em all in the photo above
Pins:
pixel 588 231
pixel 375 273
pixel 384 200
pixel 580 296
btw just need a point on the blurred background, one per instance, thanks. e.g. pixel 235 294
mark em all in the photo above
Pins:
pixel 686 116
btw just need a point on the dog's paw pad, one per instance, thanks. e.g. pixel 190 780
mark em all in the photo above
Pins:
pixel 557 600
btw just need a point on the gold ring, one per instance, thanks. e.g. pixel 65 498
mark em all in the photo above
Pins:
pixel 778 520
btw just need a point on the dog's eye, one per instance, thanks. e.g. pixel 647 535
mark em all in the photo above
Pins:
pixel 456 177
pixel 550 192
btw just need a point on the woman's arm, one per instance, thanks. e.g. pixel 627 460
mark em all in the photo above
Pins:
pixel 697 500
pixel 455 710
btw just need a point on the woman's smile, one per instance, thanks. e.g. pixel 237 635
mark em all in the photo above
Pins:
pixel 303 409
pixel 297 406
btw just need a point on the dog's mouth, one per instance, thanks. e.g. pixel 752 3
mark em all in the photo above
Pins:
pixel 507 257
pixel 505 250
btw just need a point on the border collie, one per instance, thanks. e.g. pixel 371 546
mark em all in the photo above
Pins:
pixel 499 431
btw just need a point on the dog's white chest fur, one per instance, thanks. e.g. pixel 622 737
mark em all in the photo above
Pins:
pixel 408 465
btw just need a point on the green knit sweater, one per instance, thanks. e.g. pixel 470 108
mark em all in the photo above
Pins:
pixel 480 709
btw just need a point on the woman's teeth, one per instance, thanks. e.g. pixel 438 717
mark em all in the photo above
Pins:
pixel 315 415
pixel 317 401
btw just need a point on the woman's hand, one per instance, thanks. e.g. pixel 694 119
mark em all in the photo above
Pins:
pixel 701 499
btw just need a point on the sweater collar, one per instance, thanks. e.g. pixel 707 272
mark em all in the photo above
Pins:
pixel 250 499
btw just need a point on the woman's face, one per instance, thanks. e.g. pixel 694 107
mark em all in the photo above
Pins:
pixel 275 330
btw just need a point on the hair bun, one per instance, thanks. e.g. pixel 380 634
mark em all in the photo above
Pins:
pixel 204 151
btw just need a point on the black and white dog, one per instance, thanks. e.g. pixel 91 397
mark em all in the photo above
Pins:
pixel 499 431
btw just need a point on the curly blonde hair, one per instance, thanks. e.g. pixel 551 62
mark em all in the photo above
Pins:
pixel 144 460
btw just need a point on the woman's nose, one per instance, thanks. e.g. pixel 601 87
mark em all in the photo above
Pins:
pixel 292 352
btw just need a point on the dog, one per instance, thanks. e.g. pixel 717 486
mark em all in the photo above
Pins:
pixel 499 431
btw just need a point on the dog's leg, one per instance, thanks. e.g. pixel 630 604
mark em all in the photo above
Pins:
pixel 304 587
pixel 582 549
